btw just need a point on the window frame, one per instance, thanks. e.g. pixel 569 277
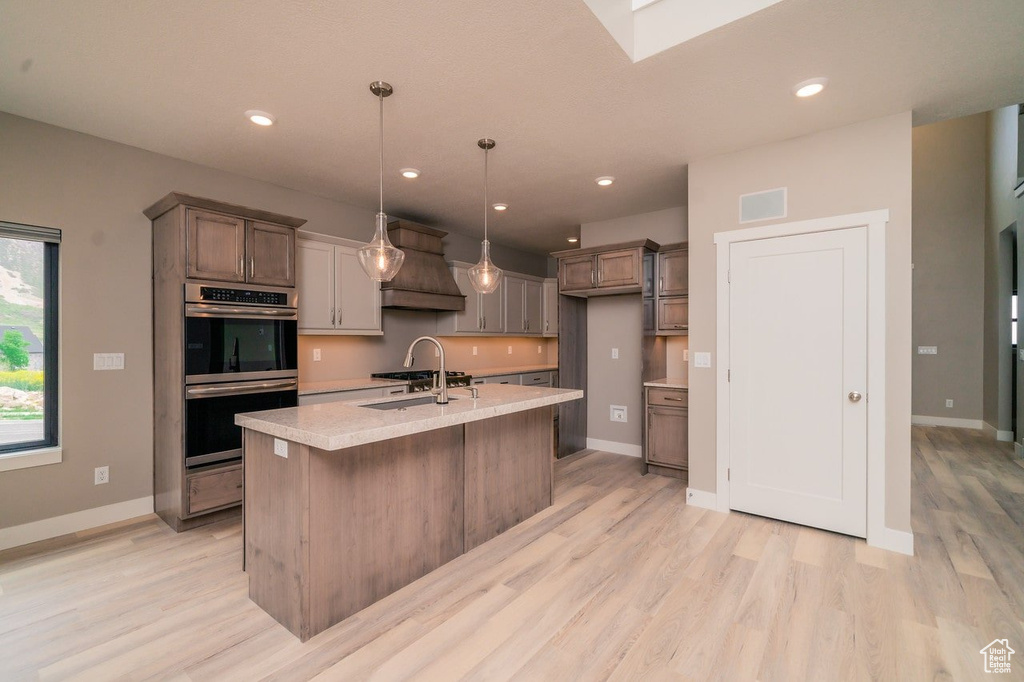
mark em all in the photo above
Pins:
pixel 47 450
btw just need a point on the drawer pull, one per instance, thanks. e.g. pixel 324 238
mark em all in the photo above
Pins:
pixel 238 486
pixel 678 400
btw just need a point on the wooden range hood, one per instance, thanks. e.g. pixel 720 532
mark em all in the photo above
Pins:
pixel 424 281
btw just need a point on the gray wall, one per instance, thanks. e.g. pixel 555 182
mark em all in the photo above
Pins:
pixel 615 322
pixel 1002 211
pixel 862 167
pixel 95 190
pixel 949 267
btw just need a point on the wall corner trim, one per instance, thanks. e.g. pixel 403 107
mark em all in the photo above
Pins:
pixel 702 499
pixel 628 449
pixel 901 541
pixel 15 536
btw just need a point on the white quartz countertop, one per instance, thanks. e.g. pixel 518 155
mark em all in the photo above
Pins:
pixel 333 426
pixel 523 369
pixel 310 387
pixel 670 382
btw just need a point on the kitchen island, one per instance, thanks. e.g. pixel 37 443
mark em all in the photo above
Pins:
pixel 348 502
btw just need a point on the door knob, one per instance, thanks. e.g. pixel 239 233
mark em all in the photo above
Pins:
pixel 855 397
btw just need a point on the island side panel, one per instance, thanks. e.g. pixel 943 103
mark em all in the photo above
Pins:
pixel 277 530
pixel 509 472
pixel 383 514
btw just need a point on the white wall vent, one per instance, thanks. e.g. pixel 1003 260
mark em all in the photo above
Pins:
pixel 767 205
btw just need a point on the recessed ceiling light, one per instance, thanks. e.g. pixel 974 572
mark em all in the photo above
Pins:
pixel 260 118
pixel 501 207
pixel 809 88
pixel 605 180
pixel 572 240
pixel 410 173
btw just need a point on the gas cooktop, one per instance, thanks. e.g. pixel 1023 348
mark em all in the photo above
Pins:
pixel 423 380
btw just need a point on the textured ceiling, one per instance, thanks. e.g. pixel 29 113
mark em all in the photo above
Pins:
pixel 542 77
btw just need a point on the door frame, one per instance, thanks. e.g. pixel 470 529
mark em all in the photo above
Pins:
pixel 875 222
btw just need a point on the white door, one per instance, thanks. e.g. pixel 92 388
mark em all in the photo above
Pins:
pixel 798 375
pixel 315 283
pixel 357 297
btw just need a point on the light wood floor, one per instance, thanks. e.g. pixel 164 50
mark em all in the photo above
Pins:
pixel 619 579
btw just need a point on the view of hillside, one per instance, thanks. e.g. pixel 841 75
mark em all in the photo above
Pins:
pixel 21 284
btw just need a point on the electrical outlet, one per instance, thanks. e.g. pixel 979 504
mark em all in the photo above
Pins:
pixel 927 350
pixel 686 355
pixel 949 402
pixel 702 359
pixel 540 349
pixel 281 448
pixel 316 355
pixel 510 350
pixel 474 350
pixel 615 353
pixel 101 475
pixel 618 413
pixel 437 353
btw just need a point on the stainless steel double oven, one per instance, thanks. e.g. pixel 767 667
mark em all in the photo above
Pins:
pixel 241 355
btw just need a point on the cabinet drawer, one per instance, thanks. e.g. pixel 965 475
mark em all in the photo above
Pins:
pixel 504 379
pixel 212 489
pixel 536 379
pixel 670 397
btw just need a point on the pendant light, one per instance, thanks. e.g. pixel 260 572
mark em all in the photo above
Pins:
pixel 380 259
pixel 485 275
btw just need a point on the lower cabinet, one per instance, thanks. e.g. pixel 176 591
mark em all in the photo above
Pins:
pixel 666 431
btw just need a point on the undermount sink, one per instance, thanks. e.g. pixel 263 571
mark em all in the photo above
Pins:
pixel 403 404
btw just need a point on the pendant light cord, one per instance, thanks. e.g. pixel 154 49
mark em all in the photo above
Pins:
pixel 485 194
pixel 381 98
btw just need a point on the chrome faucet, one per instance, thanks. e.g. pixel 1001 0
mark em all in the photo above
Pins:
pixel 441 381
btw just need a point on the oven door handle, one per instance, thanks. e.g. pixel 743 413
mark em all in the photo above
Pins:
pixel 204 391
pixel 223 311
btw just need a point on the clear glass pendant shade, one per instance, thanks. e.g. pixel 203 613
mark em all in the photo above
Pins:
pixel 380 259
pixel 485 275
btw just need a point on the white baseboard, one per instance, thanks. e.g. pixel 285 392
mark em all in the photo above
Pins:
pixel 72 523
pixel 901 541
pixel 925 420
pixel 702 499
pixel 618 448
pixel 1002 436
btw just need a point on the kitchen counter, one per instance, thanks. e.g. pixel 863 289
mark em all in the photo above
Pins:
pixel 333 426
pixel 522 369
pixel 670 382
pixel 312 387
pixel 345 504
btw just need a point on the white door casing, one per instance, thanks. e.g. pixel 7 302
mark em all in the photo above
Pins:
pixel 877 533
pixel 798 372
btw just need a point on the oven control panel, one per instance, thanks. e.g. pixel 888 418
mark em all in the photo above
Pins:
pixel 221 295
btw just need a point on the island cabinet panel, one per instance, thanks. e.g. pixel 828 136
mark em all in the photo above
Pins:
pixel 277 530
pixel 403 494
pixel 513 456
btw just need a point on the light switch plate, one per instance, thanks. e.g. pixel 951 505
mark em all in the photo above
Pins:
pixel 618 413
pixel 702 359
pixel 927 350
pixel 102 361
pixel 281 448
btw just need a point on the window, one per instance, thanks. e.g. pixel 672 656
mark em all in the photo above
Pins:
pixel 28 338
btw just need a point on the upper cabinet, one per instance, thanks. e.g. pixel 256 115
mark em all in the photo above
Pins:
pixel 614 269
pixel 550 311
pixel 229 248
pixel 516 308
pixel 673 302
pixel 335 295
pixel 524 303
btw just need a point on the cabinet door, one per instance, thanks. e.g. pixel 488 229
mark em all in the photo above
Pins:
pixel 674 273
pixel 515 310
pixel 315 285
pixel 215 245
pixel 468 320
pixel 618 268
pixel 551 308
pixel 576 273
pixel 667 434
pixel 533 304
pixel 648 290
pixel 491 313
pixel 673 314
pixel 356 297
pixel 271 253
